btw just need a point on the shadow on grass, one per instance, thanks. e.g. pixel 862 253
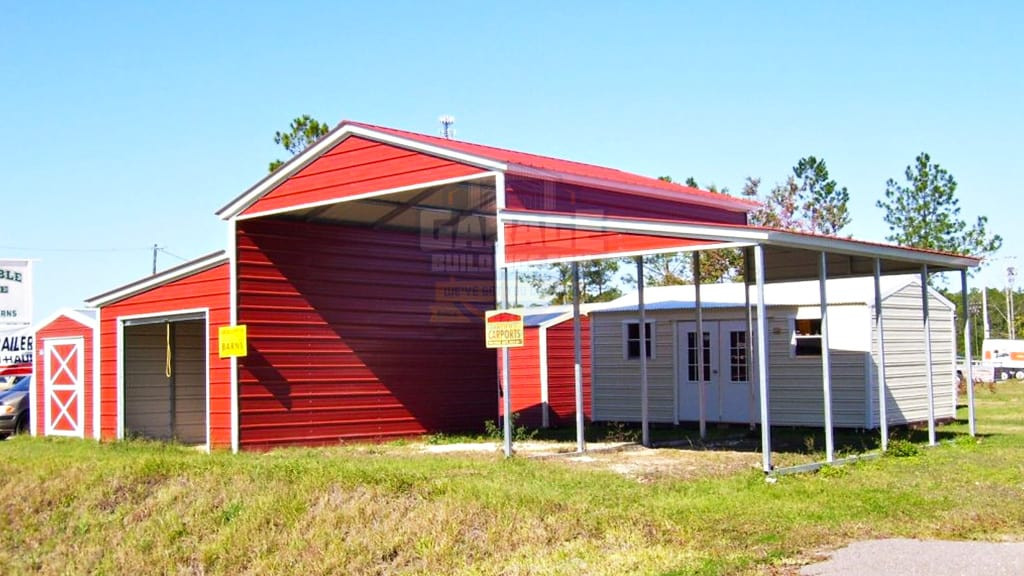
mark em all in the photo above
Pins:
pixel 743 438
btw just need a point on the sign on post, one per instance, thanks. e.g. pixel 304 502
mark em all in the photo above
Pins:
pixel 504 329
pixel 232 341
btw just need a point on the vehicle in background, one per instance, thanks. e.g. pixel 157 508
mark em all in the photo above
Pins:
pixel 1004 357
pixel 14 408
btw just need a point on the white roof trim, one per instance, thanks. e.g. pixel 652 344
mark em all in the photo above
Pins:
pixel 626 254
pixel 71 313
pixel 332 139
pixel 743 235
pixel 200 264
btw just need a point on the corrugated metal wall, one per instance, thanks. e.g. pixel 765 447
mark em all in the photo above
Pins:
pixel 355 166
pixel 561 372
pixel 350 337
pixel 530 194
pixel 64 327
pixel 905 375
pixel 205 289
pixel 524 371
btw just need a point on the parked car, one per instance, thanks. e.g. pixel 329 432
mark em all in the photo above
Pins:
pixel 14 408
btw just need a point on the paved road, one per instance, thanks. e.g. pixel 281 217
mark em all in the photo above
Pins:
pixel 903 557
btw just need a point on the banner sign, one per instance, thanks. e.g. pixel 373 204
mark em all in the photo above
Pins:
pixel 16 292
pixel 16 349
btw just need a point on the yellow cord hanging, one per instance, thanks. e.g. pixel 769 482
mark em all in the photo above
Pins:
pixel 167 364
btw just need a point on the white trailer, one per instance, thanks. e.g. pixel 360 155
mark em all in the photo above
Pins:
pixel 1004 357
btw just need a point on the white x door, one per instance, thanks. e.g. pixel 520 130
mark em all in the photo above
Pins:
pixel 63 386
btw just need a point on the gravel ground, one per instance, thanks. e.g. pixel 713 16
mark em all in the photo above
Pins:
pixel 904 557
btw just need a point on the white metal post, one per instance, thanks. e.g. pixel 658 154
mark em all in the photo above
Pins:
pixel 699 341
pixel 577 331
pixel 749 345
pixel 826 363
pixel 928 354
pixel 644 416
pixel 883 390
pixel 762 361
pixel 968 355
pixel 506 378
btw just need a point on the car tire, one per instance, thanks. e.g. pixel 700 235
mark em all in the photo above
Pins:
pixel 21 427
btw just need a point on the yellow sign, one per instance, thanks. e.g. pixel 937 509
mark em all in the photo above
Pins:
pixel 232 341
pixel 504 329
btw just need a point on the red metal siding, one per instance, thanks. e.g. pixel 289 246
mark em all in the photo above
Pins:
pixel 561 372
pixel 526 243
pixel 63 327
pixel 529 194
pixel 353 334
pixel 356 166
pixel 524 372
pixel 206 289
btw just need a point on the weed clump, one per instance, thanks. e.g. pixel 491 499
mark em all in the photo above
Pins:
pixel 902 448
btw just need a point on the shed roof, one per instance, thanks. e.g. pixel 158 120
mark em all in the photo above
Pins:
pixel 167 276
pixel 805 293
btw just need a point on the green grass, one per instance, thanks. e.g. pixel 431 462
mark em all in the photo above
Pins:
pixel 77 507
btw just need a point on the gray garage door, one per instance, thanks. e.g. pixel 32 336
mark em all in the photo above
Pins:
pixel 165 380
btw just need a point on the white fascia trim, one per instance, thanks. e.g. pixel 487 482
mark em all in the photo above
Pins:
pixel 97 386
pixel 868 250
pixel 727 202
pixel 297 163
pixel 232 249
pixel 71 313
pixel 119 354
pixel 602 256
pixel 499 229
pixel 739 234
pixel 189 268
pixel 542 343
pixel 365 195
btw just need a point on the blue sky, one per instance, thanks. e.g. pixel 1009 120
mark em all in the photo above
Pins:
pixel 129 124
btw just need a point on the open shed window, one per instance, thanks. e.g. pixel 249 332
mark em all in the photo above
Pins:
pixel 807 336
pixel 631 339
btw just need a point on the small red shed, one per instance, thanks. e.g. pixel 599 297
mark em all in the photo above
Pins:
pixel 543 369
pixel 160 370
pixel 64 389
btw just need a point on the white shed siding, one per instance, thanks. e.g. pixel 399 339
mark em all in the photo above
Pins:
pixel 795 395
pixel 905 373
pixel 615 380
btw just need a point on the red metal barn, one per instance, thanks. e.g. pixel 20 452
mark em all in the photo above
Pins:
pixel 543 370
pixel 362 269
pixel 65 376
pixel 160 372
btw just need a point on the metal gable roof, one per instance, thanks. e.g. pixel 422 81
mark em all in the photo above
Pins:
pixel 488 157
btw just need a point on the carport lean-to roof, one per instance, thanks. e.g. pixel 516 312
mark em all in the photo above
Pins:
pixel 537 209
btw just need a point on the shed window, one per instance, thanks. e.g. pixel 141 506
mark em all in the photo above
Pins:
pixel 632 339
pixel 807 337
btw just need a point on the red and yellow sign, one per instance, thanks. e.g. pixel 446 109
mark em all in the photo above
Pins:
pixel 504 329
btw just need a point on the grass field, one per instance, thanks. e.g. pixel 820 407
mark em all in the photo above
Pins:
pixel 74 507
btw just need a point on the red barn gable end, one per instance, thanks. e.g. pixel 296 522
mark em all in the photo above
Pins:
pixel 65 356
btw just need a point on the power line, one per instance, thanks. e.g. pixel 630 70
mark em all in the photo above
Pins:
pixel 36 249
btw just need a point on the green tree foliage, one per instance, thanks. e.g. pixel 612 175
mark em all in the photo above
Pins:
pixel 997 316
pixel 303 132
pixel 823 202
pixel 807 201
pixel 924 212
pixel 597 281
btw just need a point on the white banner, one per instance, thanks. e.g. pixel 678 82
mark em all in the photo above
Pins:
pixel 16 292
pixel 16 349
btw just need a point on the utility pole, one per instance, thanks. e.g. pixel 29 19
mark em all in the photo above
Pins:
pixel 155 249
pixel 1011 275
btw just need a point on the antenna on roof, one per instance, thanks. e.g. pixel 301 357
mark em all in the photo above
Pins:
pixel 447 126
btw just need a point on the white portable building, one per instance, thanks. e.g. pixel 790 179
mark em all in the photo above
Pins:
pixel 794 354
